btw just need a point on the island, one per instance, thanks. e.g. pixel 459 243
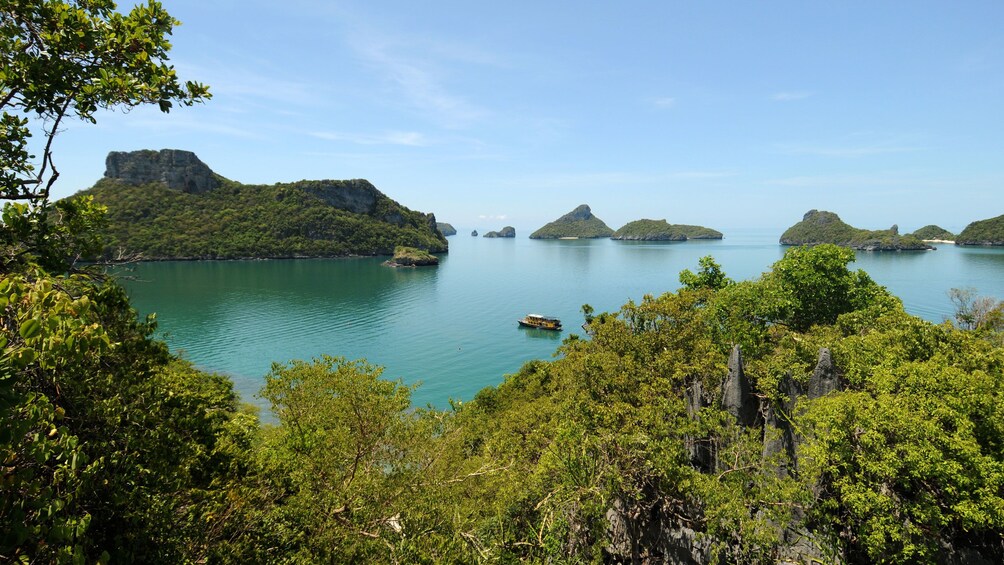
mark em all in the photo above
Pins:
pixel 934 233
pixel 660 230
pixel 474 233
pixel 507 231
pixel 170 205
pixel 446 229
pixel 983 232
pixel 579 223
pixel 411 257
pixel 826 227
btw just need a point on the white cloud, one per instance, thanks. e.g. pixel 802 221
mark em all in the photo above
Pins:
pixel 664 102
pixel 493 216
pixel 408 138
pixel 789 96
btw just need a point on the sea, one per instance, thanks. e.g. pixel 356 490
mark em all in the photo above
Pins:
pixel 452 329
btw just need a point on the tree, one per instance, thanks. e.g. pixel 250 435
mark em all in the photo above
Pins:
pixel 69 58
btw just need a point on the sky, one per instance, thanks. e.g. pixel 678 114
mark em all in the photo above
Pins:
pixel 723 114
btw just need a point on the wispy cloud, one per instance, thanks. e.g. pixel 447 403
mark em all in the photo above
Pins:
pixel 413 70
pixel 493 216
pixel 848 151
pixel 664 102
pixel 409 138
pixel 791 95
pixel 606 179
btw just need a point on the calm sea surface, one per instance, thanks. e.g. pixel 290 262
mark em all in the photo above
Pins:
pixel 453 327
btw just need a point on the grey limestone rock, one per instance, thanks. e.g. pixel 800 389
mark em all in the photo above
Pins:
pixel 474 233
pixel 825 377
pixel 737 393
pixel 446 229
pixel 180 170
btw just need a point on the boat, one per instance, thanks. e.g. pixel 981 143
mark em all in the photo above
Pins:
pixel 540 322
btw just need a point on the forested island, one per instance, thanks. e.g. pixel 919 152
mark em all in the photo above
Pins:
pixel 660 230
pixel 801 416
pixel 819 227
pixel 983 232
pixel 169 205
pixel 505 232
pixel 934 233
pixel 446 229
pixel 580 223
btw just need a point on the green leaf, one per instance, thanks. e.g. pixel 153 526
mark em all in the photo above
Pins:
pixel 30 328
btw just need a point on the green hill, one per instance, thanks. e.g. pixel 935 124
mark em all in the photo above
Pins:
pixel 660 230
pixel 983 232
pixel 579 223
pixel 819 227
pixel 933 233
pixel 157 211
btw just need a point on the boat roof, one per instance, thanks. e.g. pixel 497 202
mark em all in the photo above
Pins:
pixel 541 316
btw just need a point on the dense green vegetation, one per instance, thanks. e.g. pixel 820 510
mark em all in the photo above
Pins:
pixel 446 229
pixel 244 221
pixel 677 429
pixel 580 223
pixel 933 233
pixel 826 227
pixel 660 230
pixel 983 232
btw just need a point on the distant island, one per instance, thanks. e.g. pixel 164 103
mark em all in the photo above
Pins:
pixel 169 205
pixel 660 230
pixel 826 227
pixel 983 232
pixel 933 233
pixel 579 223
pixel 446 229
pixel 507 231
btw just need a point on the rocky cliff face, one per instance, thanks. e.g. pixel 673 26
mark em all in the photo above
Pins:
pixel 180 170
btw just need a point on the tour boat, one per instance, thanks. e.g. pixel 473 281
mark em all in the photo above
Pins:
pixel 541 322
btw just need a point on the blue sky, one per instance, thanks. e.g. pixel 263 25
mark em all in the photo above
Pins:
pixel 725 114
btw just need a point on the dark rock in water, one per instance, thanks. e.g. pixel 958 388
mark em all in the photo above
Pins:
pixel 737 393
pixel 180 170
pixel 507 231
pixel 474 233
pixel 825 378
pixel 446 229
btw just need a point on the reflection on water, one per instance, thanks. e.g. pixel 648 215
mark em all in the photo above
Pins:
pixel 453 327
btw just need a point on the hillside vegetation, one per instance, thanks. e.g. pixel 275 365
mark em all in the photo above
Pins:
pixel 819 227
pixel 660 230
pixel 983 232
pixel 250 221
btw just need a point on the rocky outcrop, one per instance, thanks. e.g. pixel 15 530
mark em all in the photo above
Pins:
pixel 507 231
pixel 474 233
pixel 446 229
pixel 180 170
pixel 825 377
pixel 412 257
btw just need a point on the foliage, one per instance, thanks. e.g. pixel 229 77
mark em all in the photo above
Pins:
pixel 106 441
pixel 983 232
pixel 933 233
pixel 62 59
pixel 245 221
pixel 709 277
pixel 659 230
pixel 826 227
pixel 52 236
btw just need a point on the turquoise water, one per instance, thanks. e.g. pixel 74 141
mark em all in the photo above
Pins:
pixel 453 327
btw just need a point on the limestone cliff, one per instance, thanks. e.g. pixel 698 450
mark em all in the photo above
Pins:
pixel 177 169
